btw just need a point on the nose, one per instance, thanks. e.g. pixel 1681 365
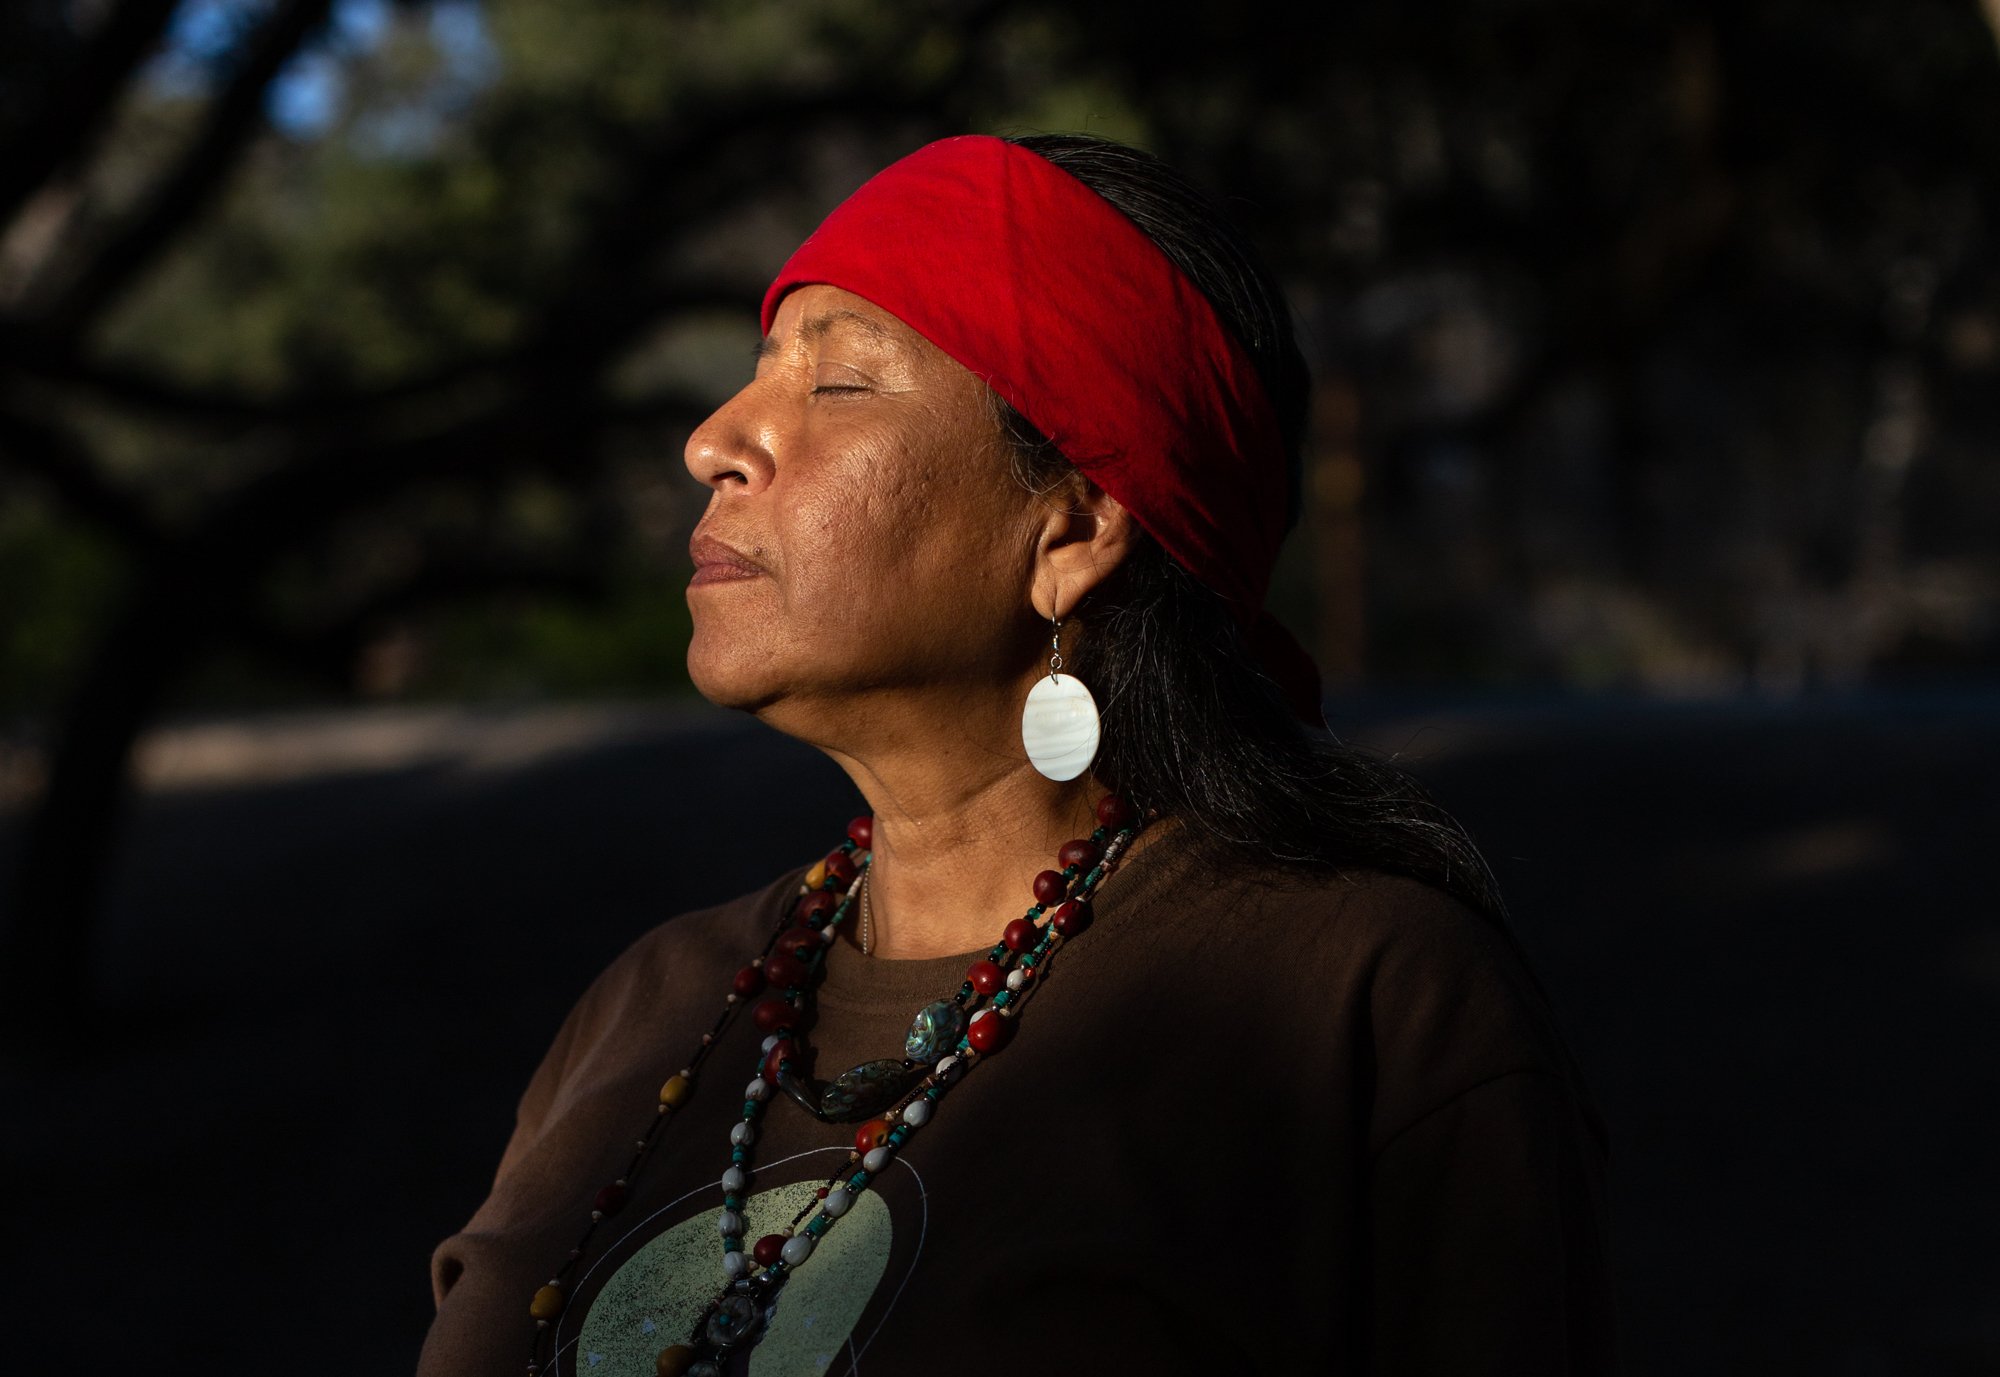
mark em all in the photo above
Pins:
pixel 732 447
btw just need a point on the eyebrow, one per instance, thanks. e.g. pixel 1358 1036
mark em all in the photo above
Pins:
pixel 821 325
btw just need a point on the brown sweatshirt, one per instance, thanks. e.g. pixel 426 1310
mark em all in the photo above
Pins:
pixel 1245 1126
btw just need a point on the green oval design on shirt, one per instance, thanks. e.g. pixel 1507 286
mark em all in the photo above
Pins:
pixel 654 1299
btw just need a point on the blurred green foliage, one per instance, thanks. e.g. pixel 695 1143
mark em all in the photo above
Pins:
pixel 1662 341
pixel 57 581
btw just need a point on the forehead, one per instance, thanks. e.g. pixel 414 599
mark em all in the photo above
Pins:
pixel 818 312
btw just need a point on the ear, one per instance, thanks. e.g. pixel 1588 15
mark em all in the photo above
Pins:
pixel 1086 533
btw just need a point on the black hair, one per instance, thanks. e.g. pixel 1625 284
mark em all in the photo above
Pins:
pixel 1192 726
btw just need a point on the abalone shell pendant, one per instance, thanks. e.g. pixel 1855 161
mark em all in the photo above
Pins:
pixel 867 1090
pixel 860 1093
pixel 1059 726
pixel 733 1320
pixel 934 1031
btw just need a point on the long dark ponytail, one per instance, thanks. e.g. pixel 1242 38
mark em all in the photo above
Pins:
pixel 1192 727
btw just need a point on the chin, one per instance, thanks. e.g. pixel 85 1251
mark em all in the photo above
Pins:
pixel 729 675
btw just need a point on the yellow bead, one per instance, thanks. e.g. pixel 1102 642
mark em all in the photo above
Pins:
pixel 817 875
pixel 547 1304
pixel 675 1092
pixel 674 1361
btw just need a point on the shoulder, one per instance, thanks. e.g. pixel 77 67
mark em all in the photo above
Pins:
pixel 722 928
pixel 1437 998
pixel 693 953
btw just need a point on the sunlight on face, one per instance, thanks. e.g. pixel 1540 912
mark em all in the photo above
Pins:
pixel 864 533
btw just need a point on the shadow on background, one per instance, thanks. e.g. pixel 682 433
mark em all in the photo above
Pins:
pixel 1769 932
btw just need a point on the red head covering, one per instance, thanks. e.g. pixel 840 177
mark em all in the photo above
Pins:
pixel 1069 312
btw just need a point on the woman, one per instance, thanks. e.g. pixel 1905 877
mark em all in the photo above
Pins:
pixel 1140 1026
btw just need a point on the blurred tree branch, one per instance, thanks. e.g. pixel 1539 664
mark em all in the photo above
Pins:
pixel 44 454
pixel 70 115
pixel 472 422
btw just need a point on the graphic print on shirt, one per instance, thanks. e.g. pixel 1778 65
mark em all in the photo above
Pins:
pixel 655 1281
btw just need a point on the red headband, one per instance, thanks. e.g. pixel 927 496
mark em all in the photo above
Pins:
pixel 1068 311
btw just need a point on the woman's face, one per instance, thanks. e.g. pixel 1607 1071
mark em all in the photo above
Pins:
pixel 863 532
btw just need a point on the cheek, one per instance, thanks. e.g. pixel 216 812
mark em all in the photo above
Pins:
pixel 914 549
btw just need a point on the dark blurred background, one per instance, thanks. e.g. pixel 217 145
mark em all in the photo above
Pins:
pixel 347 350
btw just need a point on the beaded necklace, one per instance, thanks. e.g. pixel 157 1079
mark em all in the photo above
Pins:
pixel 946 1039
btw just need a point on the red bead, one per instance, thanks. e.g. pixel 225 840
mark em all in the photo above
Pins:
pixel 1071 918
pixel 1020 935
pixel 840 867
pixel 871 1135
pixel 862 832
pixel 803 943
pixel 820 1194
pixel 988 1032
pixel 785 970
pixel 784 1051
pixel 1079 853
pixel 986 977
pixel 1027 974
pixel 1113 812
pixel 769 1249
pixel 611 1199
pixel 772 1014
pixel 1050 886
pixel 817 904
pixel 749 982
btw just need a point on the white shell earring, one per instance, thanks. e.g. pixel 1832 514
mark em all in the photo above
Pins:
pixel 1059 725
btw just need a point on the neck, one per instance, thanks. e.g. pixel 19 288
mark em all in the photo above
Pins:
pixel 954 859
pixel 963 823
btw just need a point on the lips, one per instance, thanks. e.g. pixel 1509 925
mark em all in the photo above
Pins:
pixel 717 561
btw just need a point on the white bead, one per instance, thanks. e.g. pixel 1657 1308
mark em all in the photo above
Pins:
pixel 917 1113
pixel 734 1265
pixel 826 934
pixel 731 1224
pixel 733 1179
pixel 1016 979
pixel 743 1135
pixel 877 1159
pixel 757 1089
pixel 770 1042
pixel 797 1249
pixel 1059 726
pixel 949 1068
pixel 837 1201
